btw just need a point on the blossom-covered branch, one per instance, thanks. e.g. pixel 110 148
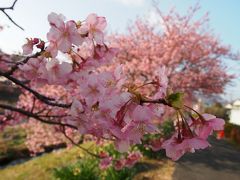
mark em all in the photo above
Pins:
pixel 66 81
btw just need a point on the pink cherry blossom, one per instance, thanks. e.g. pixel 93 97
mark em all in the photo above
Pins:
pixel 91 89
pixel 56 71
pixel 122 145
pixel 162 81
pixel 143 118
pixel 94 27
pixel 63 34
pixel 205 125
pixel 156 144
pixel 176 148
pixel 28 47
pixel 76 108
pixel 52 49
pixel 34 68
pixel 132 158
pixel 119 164
pixel 105 163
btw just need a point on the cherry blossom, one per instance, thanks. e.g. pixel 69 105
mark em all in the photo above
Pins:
pixel 28 47
pixel 79 94
pixel 132 158
pixel 76 108
pixel 57 71
pixel 63 34
pixel 52 49
pixel 143 119
pixel 105 163
pixel 156 144
pixel 119 164
pixel 94 28
pixel 176 148
pixel 34 69
pixel 206 124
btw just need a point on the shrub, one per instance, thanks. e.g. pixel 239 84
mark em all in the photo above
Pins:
pixel 84 169
pixel 123 174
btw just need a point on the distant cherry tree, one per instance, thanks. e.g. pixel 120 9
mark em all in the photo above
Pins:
pixel 184 44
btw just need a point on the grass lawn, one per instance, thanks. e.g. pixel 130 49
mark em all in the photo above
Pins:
pixel 12 142
pixel 40 168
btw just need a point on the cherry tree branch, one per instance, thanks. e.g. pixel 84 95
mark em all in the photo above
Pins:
pixel 36 116
pixel 44 99
pixel 25 60
pixel 3 9
pixel 41 97
pixel 155 101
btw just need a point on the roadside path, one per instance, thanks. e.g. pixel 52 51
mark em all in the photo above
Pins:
pixel 219 162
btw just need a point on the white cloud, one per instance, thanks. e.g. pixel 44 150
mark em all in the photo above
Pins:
pixel 131 2
pixel 154 19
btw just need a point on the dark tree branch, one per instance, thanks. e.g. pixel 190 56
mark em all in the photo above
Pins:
pixel 44 99
pixel 53 116
pixel 41 97
pixel 3 9
pixel 155 101
pixel 35 116
pixel 40 111
pixel 25 60
pixel 33 106
pixel 10 7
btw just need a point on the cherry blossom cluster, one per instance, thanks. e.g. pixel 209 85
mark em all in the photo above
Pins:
pixel 95 100
pixel 102 103
pixel 128 161
pixel 192 135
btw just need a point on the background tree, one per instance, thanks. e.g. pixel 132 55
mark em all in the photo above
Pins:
pixel 192 53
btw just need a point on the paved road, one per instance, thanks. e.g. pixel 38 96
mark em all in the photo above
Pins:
pixel 219 162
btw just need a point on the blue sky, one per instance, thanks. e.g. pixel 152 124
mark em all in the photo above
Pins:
pixel 32 15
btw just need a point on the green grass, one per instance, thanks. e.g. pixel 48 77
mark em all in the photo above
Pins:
pixel 12 142
pixel 84 169
pixel 41 168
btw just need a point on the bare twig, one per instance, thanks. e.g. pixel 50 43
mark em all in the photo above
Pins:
pixel 80 147
pixel 3 9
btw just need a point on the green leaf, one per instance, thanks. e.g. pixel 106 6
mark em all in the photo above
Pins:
pixel 176 100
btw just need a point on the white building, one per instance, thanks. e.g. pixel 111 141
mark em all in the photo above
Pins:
pixel 234 112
